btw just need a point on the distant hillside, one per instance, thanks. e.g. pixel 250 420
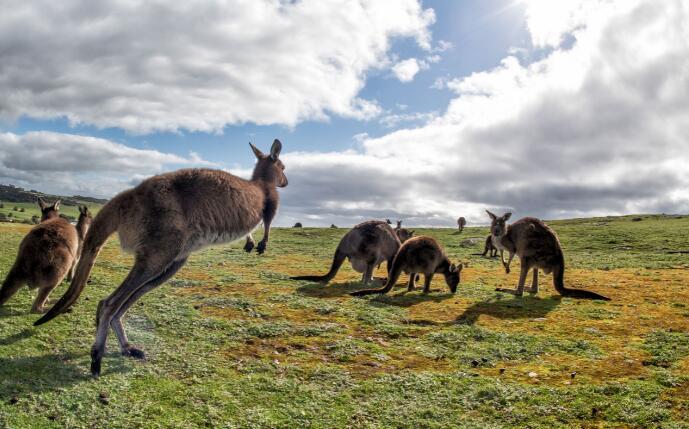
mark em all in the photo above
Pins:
pixel 14 194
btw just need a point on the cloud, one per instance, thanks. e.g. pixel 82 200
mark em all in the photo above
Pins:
pixel 56 162
pixel 597 126
pixel 405 70
pixel 198 65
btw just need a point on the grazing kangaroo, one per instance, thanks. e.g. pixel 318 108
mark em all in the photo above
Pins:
pixel 537 247
pixel 366 245
pixel 162 221
pixel 47 253
pixel 419 255
pixel 461 222
pixel 489 249
pixel 404 234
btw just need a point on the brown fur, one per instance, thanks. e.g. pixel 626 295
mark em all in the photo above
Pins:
pixel 461 223
pixel 162 221
pixel 366 245
pixel 538 247
pixel 489 249
pixel 419 255
pixel 46 255
pixel 404 234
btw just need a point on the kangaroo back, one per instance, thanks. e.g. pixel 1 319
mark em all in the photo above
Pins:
pixel 104 225
pixel 559 284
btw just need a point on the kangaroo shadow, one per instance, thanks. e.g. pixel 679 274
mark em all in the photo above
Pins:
pixel 26 333
pixel 333 290
pixel 9 311
pixel 408 299
pixel 526 307
pixel 36 374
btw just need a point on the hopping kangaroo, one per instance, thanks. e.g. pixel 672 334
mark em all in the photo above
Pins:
pixel 162 221
pixel 537 247
pixel 461 222
pixel 366 246
pixel 419 255
pixel 47 253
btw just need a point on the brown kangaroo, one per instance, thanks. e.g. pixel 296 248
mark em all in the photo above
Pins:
pixel 162 221
pixel 537 246
pixel 461 222
pixel 47 253
pixel 366 245
pixel 419 255
pixel 489 249
pixel 404 234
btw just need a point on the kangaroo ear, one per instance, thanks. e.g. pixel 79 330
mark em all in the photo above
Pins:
pixel 507 215
pixel 56 205
pixel 492 216
pixel 275 150
pixel 41 203
pixel 459 266
pixel 257 151
pixel 453 268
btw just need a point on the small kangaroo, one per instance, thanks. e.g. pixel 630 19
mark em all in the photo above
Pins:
pixel 366 245
pixel 404 234
pixel 162 221
pixel 489 249
pixel 461 222
pixel 537 246
pixel 419 255
pixel 47 253
pixel 399 224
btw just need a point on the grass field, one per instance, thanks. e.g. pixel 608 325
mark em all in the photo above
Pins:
pixel 31 209
pixel 231 342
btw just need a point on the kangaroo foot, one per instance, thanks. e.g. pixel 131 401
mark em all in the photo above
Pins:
pixel 261 248
pixel 506 290
pixel 134 352
pixel 249 246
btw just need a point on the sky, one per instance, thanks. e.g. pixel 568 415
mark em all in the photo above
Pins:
pixel 415 110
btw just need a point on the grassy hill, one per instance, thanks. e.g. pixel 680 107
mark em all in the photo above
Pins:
pixel 14 199
pixel 232 342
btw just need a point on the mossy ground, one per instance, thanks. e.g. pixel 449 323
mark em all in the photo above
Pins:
pixel 231 341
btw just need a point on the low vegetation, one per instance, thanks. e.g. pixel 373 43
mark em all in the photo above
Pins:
pixel 232 342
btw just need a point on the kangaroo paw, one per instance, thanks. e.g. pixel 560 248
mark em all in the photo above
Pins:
pixel 261 248
pixel 249 246
pixel 134 352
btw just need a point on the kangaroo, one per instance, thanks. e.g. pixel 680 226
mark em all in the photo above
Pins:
pixel 399 224
pixel 404 234
pixel 366 245
pixel 419 255
pixel 162 221
pixel 47 253
pixel 461 222
pixel 489 249
pixel 537 246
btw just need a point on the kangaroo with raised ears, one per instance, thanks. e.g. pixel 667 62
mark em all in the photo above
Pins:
pixel 461 222
pixel 404 234
pixel 47 253
pixel 538 247
pixel 419 255
pixel 162 221
pixel 367 245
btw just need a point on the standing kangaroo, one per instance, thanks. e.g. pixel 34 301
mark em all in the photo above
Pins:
pixel 162 221
pixel 366 246
pixel 47 253
pixel 489 249
pixel 404 234
pixel 537 247
pixel 419 255
pixel 461 222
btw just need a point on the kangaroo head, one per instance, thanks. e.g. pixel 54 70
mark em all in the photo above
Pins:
pixel 452 276
pixel 270 168
pixel 49 211
pixel 498 225
pixel 404 234
pixel 85 218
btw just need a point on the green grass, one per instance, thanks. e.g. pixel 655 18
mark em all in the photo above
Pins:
pixel 31 209
pixel 232 342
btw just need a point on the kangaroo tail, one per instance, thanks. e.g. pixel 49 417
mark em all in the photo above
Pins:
pixel 104 225
pixel 393 276
pixel 338 259
pixel 11 285
pixel 559 283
